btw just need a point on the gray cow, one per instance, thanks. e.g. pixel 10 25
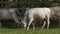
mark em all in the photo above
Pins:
pixel 8 14
pixel 55 11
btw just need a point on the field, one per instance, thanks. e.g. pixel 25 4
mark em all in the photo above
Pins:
pixel 30 31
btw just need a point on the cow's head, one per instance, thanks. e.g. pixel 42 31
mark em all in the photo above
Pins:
pixel 24 23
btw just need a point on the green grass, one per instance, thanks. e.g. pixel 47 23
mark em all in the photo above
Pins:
pixel 30 31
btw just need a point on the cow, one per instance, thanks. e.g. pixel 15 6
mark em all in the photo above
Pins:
pixel 55 11
pixel 10 13
pixel 33 13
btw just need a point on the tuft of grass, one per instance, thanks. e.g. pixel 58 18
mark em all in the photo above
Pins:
pixel 30 31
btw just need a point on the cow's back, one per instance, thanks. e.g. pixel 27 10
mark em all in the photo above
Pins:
pixel 6 13
pixel 39 12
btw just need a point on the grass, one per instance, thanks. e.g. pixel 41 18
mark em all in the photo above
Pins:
pixel 30 31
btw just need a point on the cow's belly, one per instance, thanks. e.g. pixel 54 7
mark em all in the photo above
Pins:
pixel 3 18
pixel 38 17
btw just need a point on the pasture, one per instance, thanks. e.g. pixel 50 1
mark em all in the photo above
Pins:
pixel 30 31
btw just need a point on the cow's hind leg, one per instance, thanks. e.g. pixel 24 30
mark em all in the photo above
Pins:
pixel 44 24
pixel 48 21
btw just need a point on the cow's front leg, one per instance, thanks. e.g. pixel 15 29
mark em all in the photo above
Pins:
pixel 30 21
